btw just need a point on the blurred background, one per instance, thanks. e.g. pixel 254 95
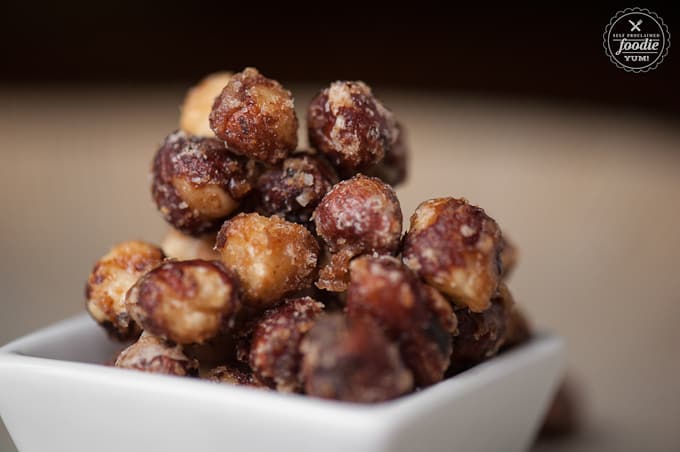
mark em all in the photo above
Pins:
pixel 518 110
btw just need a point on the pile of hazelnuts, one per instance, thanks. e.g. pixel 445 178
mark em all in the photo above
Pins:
pixel 287 269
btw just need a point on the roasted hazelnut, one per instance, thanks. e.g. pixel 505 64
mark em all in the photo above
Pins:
pixel 255 117
pixel 155 355
pixel 348 124
pixel 509 257
pixel 293 190
pixel 111 278
pixel 358 216
pixel 352 361
pixel 185 301
pixel 455 247
pixel 271 256
pixel 197 183
pixel 385 290
pixel 195 111
pixel 183 247
pixel 481 334
pixel 393 168
pixel 275 345
pixel 238 375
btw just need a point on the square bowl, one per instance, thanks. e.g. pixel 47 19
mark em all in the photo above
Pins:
pixel 55 395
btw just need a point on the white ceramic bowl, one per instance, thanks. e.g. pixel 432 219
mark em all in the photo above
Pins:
pixel 55 396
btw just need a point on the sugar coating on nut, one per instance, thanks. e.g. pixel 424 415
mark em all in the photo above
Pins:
pixel 359 215
pixel 352 361
pixel 393 168
pixel 348 124
pixel 385 290
pixel 153 354
pixel 271 256
pixel 184 247
pixel 456 248
pixel 481 335
pixel 294 189
pixel 195 111
pixel 275 345
pixel 255 116
pixel 197 183
pixel 185 301
pixel 111 278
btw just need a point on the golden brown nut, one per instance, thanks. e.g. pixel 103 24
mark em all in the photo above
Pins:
pixel 111 278
pixel 293 190
pixel 393 168
pixel 255 117
pixel 153 354
pixel 348 124
pixel 481 335
pixel 185 302
pixel 197 183
pixel 509 257
pixel 271 256
pixel 195 111
pixel 358 216
pixel 385 290
pixel 275 345
pixel 235 375
pixel 455 247
pixel 352 361
pixel 183 247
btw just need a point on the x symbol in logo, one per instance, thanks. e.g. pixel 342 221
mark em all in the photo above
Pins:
pixel 636 26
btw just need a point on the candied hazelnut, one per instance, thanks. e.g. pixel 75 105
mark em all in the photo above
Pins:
pixel 271 256
pixel 235 375
pixel 509 257
pixel 111 278
pixel 197 183
pixel 385 290
pixel 255 117
pixel 275 345
pixel 358 216
pixel 455 247
pixel 185 301
pixel 153 354
pixel 183 247
pixel 393 168
pixel 348 124
pixel 195 111
pixel 518 329
pixel 294 189
pixel 352 361
pixel 481 334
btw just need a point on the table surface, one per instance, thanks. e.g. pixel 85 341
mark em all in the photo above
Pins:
pixel 592 198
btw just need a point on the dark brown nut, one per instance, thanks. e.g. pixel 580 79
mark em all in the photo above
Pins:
pixel 195 111
pixel 352 361
pixel 275 345
pixel 455 247
pixel 271 256
pixel 481 335
pixel 111 278
pixel 215 351
pixel 183 247
pixel 509 257
pixel 294 189
pixel 235 375
pixel 185 302
pixel 393 168
pixel 519 329
pixel 197 183
pixel 255 117
pixel 385 290
pixel 348 124
pixel 155 355
pixel 358 216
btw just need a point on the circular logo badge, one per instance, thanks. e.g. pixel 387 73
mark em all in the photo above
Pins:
pixel 636 40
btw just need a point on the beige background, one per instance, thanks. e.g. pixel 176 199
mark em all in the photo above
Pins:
pixel 592 198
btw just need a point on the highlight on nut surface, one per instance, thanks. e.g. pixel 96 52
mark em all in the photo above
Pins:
pixel 111 278
pixel 185 301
